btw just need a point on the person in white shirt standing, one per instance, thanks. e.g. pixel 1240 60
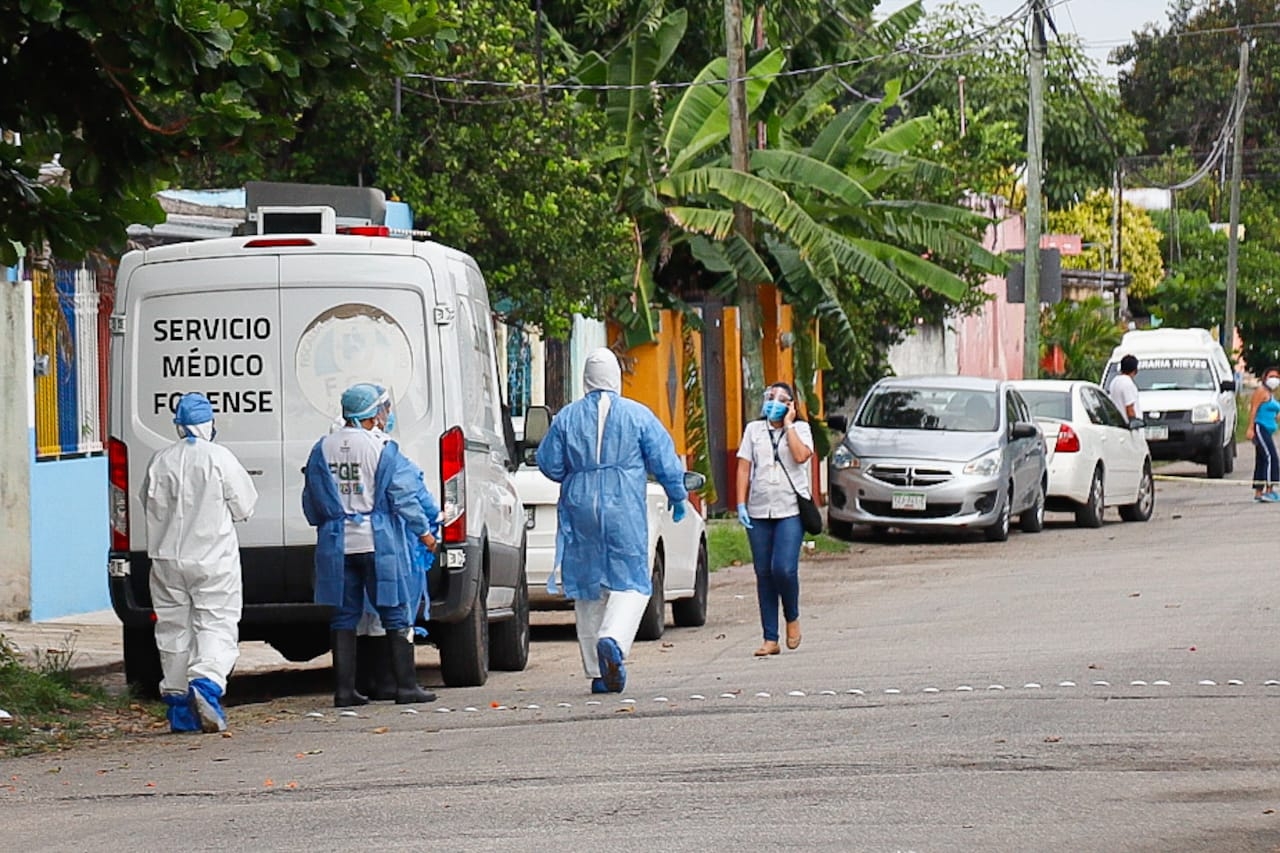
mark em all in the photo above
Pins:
pixel 771 470
pixel 1124 391
pixel 193 492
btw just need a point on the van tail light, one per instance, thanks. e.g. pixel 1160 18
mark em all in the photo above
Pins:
pixel 118 476
pixel 1068 441
pixel 453 485
pixel 365 230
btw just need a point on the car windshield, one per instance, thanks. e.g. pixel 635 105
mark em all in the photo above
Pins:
pixel 950 409
pixel 1169 374
pixel 1048 404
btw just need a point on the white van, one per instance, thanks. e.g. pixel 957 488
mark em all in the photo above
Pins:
pixel 272 326
pixel 1186 388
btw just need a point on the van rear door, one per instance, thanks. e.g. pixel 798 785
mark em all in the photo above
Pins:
pixel 210 325
pixel 348 318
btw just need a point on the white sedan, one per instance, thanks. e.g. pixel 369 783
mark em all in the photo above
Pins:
pixel 1095 459
pixel 677 553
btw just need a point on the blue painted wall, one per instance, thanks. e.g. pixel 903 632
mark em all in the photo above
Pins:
pixel 69 537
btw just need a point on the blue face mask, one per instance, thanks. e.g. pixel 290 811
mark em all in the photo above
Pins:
pixel 391 423
pixel 773 410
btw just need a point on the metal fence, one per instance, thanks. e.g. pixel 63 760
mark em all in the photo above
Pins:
pixel 71 309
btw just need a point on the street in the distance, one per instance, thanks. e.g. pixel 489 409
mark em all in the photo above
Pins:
pixel 1076 689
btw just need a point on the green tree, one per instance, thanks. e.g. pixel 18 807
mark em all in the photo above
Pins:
pixel 1085 331
pixel 1139 240
pixel 960 40
pixel 116 91
pixel 505 173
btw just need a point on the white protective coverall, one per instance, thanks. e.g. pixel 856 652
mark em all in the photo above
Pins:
pixel 193 492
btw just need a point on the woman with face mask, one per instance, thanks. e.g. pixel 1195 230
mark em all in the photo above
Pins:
pixel 772 466
pixel 1263 410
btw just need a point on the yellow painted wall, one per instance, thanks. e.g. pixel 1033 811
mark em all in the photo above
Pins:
pixel 652 375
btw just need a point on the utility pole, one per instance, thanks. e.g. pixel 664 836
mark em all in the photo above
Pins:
pixel 1228 335
pixel 1035 212
pixel 749 319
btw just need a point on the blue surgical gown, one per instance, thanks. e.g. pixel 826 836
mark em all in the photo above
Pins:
pixel 397 515
pixel 603 529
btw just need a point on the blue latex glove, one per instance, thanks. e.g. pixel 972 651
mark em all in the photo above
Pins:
pixel 678 511
pixel 743 518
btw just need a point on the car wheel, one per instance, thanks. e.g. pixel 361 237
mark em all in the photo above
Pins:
pixel 1217 464
pixel 1091 511
pixel 1230 457
pixel 1141 509
pixel 654 620
pixel 692 612
pixel 464 645
pixel 840 529
pixel 1032 521
pixel 999 531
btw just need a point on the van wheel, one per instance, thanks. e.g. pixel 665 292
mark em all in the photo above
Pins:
pixel 692 612
pixel 1230 457
pixel 1216 467
pixel 142 672
pixel 509 640
pixel 1140 509
pixel 464 645
pixel 654 620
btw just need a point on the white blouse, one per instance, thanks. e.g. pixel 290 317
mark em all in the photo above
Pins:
pixel 769 494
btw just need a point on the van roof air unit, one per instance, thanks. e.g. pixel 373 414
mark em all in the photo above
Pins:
pixel 351 205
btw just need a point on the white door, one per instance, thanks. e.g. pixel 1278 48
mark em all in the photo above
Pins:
pixel 1122 451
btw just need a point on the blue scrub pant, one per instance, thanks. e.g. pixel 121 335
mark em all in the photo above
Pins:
pixel 358 577
pixel 775 551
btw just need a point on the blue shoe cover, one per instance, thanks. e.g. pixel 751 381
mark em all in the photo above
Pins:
pixel 598 686
pixel 203 695
pixel 181 718
pixel 612 672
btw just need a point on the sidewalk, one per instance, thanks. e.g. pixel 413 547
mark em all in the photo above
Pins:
pixel 97 647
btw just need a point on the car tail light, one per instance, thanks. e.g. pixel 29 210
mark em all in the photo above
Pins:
pixel 118 476
pixel 453 484
pixel 1068 441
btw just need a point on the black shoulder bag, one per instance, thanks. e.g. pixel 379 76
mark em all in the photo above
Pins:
pixel 810 515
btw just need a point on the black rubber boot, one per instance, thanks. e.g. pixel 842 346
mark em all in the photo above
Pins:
pixel 345 694
pixel 374 677
pixel 407 690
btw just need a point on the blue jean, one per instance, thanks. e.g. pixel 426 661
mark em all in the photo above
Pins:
pixel 1266 466
pixel 359 577
pixel 775 551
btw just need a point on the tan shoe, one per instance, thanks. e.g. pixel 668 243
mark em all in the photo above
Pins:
pixel 768 647
pixel 793 634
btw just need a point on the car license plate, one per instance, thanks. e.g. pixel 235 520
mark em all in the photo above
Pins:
pixel 1157 433
pixel 909 500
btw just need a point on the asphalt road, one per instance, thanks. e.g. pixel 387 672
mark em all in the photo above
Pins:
pixel 1109 690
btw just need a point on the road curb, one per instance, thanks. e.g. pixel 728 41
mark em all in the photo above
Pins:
pixel 1184 478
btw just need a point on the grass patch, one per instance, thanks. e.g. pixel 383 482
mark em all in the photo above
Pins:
pixel 52 709
pixel 1242 416
pixel 727 544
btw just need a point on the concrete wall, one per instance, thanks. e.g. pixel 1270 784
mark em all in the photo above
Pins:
pixel 928 350
pixel 17 448
pixel 990 341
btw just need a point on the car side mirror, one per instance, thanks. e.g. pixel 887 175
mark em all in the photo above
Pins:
pixel 537 421
pixel 839 423
pixel 693 481
pixel 1228 385
pixel 1022 429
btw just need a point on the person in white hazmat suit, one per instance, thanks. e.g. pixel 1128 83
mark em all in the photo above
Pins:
pixel 600 449
pixel 193 492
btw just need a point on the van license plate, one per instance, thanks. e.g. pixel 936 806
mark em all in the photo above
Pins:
pixel 909 500
pixel 1157 433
